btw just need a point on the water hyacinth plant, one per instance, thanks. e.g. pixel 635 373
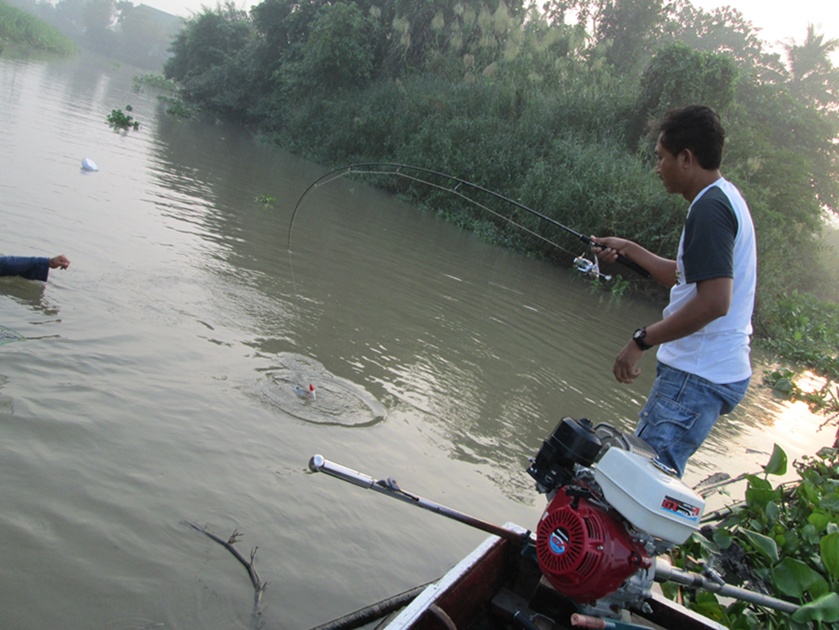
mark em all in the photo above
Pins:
pixel 781 540
pixel 120 121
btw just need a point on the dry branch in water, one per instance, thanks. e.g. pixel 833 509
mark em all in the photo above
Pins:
pixel 229 544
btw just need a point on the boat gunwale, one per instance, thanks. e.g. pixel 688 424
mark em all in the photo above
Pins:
pixel 414 612
pixel 417 613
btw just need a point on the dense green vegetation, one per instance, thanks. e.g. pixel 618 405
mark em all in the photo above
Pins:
pixel 782 540
pixel 550 106
pixel 28 32
pixel 136 34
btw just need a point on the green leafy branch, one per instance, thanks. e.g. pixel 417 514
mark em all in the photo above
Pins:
pixel 782 541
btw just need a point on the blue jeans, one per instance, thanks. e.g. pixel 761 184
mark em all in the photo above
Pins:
pixel 680 412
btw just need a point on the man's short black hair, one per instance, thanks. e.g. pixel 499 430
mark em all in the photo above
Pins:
pixel 697 128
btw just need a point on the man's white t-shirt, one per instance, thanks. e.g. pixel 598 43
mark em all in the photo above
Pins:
pixel 718 241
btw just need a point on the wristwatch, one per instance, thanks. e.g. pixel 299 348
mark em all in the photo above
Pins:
pixel 638 337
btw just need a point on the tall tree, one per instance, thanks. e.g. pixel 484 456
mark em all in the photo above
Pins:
pixel 625 33
pixel 812 77
pixel 724 30
pixel 144 37
pixel 99 17
pixel 678 76
pixel 428 29
pixel 339 50
pixel 69 17
pixel 630 29
pixel 208 41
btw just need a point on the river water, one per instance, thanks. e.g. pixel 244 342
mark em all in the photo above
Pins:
pixel 153 384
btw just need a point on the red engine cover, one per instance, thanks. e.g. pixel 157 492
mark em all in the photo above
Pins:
pixel 583 551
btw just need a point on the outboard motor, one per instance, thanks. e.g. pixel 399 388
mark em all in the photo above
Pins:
pixel 611 509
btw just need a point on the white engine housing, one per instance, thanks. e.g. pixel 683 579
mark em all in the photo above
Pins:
pixel 652 500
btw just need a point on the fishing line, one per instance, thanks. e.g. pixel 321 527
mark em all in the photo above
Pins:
pixel 389 168
pixel 454 191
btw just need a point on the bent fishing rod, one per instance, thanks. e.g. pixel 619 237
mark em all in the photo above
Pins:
pixel 456 186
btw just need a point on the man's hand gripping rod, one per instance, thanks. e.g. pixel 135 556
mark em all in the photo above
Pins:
pixel 389 487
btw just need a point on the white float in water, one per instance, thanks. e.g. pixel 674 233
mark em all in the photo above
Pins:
pixel 305 392
pixel 89 165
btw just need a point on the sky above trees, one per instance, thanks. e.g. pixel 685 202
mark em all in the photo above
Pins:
pixel 779 22
pixel 775 19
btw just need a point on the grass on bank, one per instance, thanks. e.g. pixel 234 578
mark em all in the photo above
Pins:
pixel 23 30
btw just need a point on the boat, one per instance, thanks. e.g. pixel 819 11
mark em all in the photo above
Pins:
pixel 498 586
pixel 595 559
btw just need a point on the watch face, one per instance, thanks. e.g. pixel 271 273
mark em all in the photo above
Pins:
pixel 638 337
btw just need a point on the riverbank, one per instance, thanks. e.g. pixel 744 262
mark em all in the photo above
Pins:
pixel 23 32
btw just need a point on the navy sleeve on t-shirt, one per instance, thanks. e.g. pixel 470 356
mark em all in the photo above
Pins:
pixel 710 230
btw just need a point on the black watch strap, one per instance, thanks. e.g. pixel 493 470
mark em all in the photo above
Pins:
pixel 638 337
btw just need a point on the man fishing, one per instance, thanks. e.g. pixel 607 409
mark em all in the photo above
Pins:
pixel 703 366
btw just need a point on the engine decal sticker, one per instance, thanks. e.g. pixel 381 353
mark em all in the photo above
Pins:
pixel 558 541
pixel 681 508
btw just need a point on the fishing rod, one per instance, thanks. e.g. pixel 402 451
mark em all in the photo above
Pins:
pixel 456 186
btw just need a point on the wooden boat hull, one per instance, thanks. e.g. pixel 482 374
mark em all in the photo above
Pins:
pixel 495 583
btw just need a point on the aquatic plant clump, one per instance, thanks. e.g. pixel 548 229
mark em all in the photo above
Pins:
pixel 266 200
pixel 119 120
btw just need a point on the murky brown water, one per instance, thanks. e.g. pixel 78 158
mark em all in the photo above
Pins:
pixel 155 383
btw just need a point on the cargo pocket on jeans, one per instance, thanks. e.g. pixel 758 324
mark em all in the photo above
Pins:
pixel 669 419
